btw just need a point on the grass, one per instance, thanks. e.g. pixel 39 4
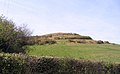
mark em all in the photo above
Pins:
pixel 95 52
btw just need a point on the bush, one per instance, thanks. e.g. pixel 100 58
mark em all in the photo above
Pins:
pixel 81 41
pixel 11 64
pixel 100 42
pixel 48 42
pixel 44 66
pixel 70 40
pixel 12 38
pixel 21 64
pixel 106 42
pixel 32 41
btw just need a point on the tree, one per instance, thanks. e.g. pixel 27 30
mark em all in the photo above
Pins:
pixel 12 38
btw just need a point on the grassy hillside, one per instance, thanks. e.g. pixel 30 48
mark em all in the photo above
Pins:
pixel 94 52
pixel 75 46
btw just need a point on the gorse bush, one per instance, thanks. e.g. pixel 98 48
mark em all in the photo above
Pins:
pixel 21 64
pixel 12 38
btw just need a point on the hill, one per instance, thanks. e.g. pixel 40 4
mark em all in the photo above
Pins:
pixel 72 45
pixel 58 36
pixel 68 37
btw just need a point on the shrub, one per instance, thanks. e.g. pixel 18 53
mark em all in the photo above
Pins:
pixel 70 40
pixel 81 41
pixel 106 42
pixel 100 42
pixel 71 66
pixel 45 66
pixel 21 64
pixel 33 41
pixel 12 38
pixel 11 64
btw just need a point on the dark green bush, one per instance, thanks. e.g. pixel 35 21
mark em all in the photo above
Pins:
pixel 47 66
pixel 67 66
pixel 12 38
pixel 106 42
pixel 100 42
pixel 21 64
pixel 11 64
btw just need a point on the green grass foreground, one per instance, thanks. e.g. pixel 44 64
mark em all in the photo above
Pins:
pixel 95 52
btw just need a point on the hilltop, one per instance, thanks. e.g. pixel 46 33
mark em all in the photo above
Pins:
pixel 53 38
pixel 60 36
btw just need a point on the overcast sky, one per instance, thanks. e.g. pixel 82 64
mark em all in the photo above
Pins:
pixel 99 19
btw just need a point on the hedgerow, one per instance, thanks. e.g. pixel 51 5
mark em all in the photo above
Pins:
pixel 11 64
pixel 22 64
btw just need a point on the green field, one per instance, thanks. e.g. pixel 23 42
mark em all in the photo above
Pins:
pixel 94 52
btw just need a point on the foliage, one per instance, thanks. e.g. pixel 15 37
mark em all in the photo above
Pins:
pixel 22 64
pixel 100 42
pixel 106 42
pixel 44 65
pixel 82 41
pixel 12 38
pixel 11 64
pixel 35 41
pixel 42 42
